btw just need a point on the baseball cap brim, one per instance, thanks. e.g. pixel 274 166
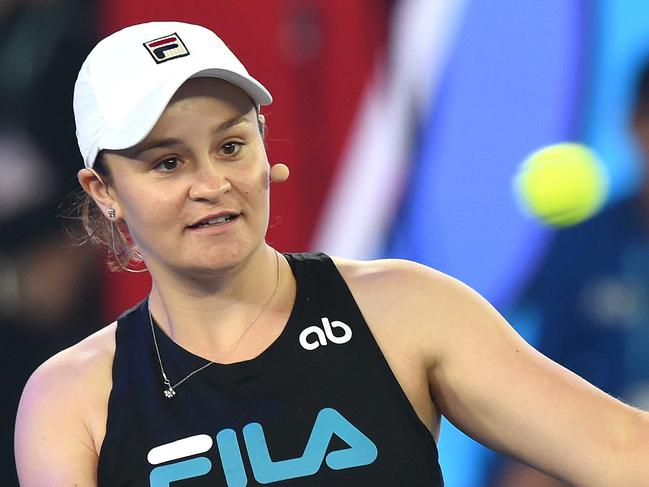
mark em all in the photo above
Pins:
pixel 134 127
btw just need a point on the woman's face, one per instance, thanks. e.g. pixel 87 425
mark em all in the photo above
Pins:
pixel 194 192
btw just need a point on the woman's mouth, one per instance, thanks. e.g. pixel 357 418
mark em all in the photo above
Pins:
pixel 212 222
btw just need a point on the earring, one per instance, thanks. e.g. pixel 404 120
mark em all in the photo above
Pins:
pixel 111 214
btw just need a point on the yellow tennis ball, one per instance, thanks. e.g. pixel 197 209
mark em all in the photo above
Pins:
pixel 562 184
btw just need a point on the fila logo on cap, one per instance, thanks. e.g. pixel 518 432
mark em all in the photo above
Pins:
pixel 166 48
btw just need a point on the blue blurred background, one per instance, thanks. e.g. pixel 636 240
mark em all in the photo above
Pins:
pixel 403 122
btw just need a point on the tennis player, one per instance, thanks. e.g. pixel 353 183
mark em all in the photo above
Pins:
pixel 246 366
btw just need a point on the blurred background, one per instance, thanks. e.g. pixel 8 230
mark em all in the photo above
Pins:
pixel 403 122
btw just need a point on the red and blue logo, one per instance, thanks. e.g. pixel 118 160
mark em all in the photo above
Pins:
pixel 166 48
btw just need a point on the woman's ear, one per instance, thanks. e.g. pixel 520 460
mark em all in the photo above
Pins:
pixel 99 191
pixel 261 122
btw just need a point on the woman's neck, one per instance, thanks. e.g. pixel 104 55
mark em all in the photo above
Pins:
pixel 211 317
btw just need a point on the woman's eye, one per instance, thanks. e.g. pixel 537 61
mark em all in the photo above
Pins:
pixel 231 148
pixel 167 164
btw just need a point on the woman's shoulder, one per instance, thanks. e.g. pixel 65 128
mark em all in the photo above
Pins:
pixel 404 277
pixel 62 412
pixel 74 383
pixel 400 291
pixel 88 360
pixel 405 296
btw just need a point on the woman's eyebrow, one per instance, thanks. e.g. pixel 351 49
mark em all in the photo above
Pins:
pixel 170 142
pixel 236 120
pixel 148 145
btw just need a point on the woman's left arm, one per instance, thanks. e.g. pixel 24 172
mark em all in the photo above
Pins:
pixel 494 386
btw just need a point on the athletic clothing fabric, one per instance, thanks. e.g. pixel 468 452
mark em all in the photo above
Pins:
pixel 319 407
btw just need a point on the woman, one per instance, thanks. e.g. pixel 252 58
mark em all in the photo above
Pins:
pixel 245 366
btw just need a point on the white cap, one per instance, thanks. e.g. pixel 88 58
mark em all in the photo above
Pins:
pixel 127 80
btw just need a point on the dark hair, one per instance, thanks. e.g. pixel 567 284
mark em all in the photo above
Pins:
pixel 98 230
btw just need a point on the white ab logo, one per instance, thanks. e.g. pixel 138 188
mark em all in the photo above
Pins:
pixel 324 333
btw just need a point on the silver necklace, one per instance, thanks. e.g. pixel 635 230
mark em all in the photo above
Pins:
pixel 170 390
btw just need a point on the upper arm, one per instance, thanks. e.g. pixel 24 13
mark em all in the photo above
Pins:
pixel 487 380
pixel 62 415
pixel 53 445
pixel 495 387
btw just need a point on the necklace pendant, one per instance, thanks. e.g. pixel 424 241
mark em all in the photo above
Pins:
pixel 169 393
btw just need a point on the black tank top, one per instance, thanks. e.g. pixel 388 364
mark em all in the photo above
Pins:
pixel 319 407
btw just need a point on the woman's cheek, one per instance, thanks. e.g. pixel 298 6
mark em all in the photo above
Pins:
pixel 266 178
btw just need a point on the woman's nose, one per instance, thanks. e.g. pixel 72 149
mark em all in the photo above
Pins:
pixel 209 183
